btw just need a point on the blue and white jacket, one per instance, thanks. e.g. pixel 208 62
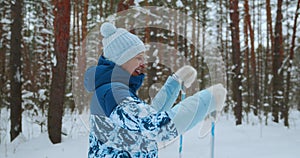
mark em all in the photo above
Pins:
pixel 122 125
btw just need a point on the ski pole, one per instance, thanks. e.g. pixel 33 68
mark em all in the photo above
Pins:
pixel 212 138
pixel 213 115
pixel 180 146
pixel 181 137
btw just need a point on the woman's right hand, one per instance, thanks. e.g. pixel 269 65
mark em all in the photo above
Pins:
pixel 186 75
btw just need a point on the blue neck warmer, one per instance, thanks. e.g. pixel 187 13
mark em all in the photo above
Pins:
pixel 107 72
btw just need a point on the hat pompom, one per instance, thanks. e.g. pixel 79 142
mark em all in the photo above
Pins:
pixel 107 29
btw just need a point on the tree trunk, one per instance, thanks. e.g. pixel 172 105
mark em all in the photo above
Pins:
pixel 75 11
pixel 291 57
pixel 82 54
pixel 84 18
pixel 79 9
pixel 176 30
pixel 147 36
pixel 15 70
pixel 236 53
pixel 185 23
pixel 101 8
pixel 277 65
pixel 268 61
pixel 253 59
pixel 124 5
pixel 203 36
pixel 269 25
pixel 121 6
pixel 57 93
pixel 248 88
pixel 227 51
pixel 3 58
pixel 192 46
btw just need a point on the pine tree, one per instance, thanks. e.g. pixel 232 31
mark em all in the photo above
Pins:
pixel 16 70
pixel 277 65
pixel 236 61
pixel 57 93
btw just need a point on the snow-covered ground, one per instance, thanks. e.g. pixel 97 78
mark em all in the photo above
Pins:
pixel 246 141
pixel 251 140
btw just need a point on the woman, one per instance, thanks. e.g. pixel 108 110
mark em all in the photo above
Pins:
pixel 122 125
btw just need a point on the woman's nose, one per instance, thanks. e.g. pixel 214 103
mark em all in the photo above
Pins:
pixel 142 65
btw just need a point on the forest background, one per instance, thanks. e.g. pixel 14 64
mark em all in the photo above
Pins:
pixel 42 54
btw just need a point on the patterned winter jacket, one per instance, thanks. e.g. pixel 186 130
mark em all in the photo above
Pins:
pixel 122 125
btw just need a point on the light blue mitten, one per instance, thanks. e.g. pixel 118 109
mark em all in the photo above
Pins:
pixel 168 94
pixel 189 112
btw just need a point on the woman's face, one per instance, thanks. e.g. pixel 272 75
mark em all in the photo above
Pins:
pixel 136 65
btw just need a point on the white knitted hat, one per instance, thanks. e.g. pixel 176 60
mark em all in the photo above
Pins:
pixel 119 44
